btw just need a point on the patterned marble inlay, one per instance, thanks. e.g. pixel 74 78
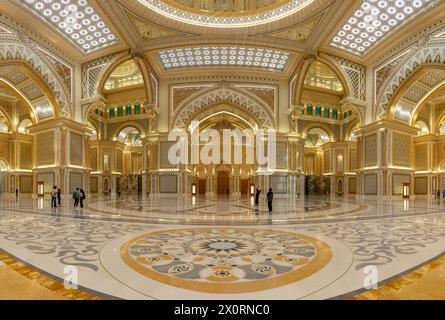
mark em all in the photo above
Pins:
pixel 219 260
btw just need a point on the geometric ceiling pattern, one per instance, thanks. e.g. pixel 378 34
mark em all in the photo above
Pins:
pixel 266 59
pixel 76 20
pixel 374 20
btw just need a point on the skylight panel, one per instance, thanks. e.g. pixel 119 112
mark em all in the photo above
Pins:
pixel 374 20
pixel 233 56
pixel 76 20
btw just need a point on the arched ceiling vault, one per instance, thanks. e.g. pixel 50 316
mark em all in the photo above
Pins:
pixel 415 92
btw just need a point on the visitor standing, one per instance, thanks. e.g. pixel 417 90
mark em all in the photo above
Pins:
pixel 81 197
pixel 54 197
pixel 59 197
pixel 270 199
pixel 257 196
pixel 76 197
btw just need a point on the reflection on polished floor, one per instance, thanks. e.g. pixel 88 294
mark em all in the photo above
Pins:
pixel 133 248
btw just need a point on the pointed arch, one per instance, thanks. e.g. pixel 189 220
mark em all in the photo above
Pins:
pixel 223 97
pixel 428 55
pixel 16 53
pixel 337 69
pixel 144 67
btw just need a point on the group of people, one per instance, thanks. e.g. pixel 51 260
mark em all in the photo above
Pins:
pixel 269 198
pixel 437 194
pixel 56 197
pixel 78 197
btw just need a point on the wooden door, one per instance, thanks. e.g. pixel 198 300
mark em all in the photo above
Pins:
pixel 244 187
pixel 202 186
pixel 223 182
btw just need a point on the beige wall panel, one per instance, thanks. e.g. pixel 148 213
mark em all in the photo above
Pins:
pixel 119 159
pixel 327 161
pixel 370 181
pixel 164 148
pixel 25 155
pixel 371 150
pixel 281 154
pixel 93 159
pixel 278 184
pixel 421 154
pixel 353 162
pixel 75 181
pixel 76 147
pixel 94 184
pixel 397 183
pixel 352 185
pixel 421 185
pixel 48 180
pixel 25 184
pixel 168 184
pixel 45 148
pixel 401 150
pixel 4 151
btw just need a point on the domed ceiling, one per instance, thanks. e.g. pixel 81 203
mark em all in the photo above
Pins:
pixel 226 13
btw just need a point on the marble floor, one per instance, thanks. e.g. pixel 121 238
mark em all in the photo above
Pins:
pixel 165 248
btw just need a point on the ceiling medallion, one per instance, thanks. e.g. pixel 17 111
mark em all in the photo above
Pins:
pixel 223 19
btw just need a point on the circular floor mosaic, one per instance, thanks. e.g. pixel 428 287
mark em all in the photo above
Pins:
pixel 226 260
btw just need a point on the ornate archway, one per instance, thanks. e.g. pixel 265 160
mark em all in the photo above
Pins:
pixel 426 56
pixel 224 99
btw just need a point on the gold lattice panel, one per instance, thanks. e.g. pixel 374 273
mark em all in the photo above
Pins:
pixel 371 150
pixel 352 185
pixel 75 181
pixel 353 162
pixel 163 153
pixel 93 159
pixel 327 161
pixel 119 157
pixel 25 184
pixel 94 184
pixel 421 185
pixel 45 148
pixel 401 150
pixel 281 155
pixel 168 183
pixel 278 184
pixel 397 183
pixel 76 148
pixel 25 155
pixel 370 184
pixel 421 153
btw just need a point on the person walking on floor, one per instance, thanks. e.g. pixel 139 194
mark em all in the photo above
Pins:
pixel 59 197
pixel 81 197
pixel 270 199
pixel 76 197
pixel 257 196
pixel 54 197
